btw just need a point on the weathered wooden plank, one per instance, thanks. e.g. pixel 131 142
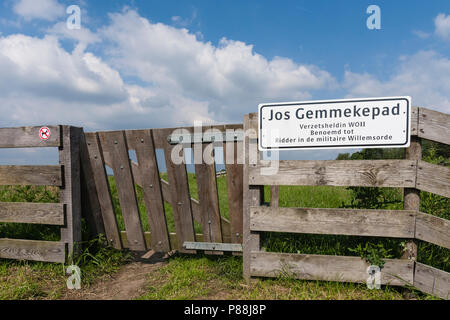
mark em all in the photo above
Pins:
pixel 34 213
pixel 31 175
pixel 376 223
pixel 90 207
pixel 275 196
pixel 253 196
pixel 103 190
pixel 411 196
pixel 432 281
pixel 366 173
pixel 208 198
pixel 114 142
pixel 142 142
pixel 195 204
pixel 173 239
pixel 433 229
pixel 29 137
pixel 434 125
pixel 397 272
pixel 234 168
pixel 414 121
pixel 159 144
pixel 433 178
pixel 179 188
pixel 70 192
pixel 47 251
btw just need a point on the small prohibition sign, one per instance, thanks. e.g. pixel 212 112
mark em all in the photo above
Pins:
pixel 44 133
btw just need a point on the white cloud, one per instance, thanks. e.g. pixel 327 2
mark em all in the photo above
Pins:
pixel 184 22
pixel 421 34
pixel 442 25
pixel 155 75
pixel 425 76
pixel 51 83
pixel 82 35
pixel 230 78
pixel 39 9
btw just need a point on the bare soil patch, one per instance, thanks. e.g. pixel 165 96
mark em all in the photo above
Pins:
pixel 128 283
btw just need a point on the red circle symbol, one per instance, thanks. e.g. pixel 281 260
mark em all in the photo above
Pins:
pixel 44 133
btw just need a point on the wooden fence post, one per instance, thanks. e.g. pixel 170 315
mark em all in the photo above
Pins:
pixel 70 195
pixel 411 196
pixel 90 204
pixel 253 196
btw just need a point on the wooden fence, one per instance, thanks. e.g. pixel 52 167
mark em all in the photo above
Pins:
pixel 112 149
pixel 66 176
pixel 412 174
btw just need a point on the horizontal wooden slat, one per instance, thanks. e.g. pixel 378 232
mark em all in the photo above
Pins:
pixel 35 213
pixel 432 281
pixel 433 178
pixel 25 137
pixel 47 251
pixel 433 229
pixel 378 223
pixel 159 143
pixel 365 173
pixel 330 268
pixel 31 175
pixel 173 239
pixel 434 125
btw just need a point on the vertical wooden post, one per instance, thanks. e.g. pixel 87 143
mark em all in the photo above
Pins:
pixel 142 142
pixel 70 194
pixel 179 188
pixel 100 178
pixel 90 204
pixel 275 196
pixel 115 144
pixel 209 200
pixel 234 167
pixel 253 196
pixel 411 197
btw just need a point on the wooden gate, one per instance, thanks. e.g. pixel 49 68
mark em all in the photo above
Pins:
pixel 112 149
pixel 66 176
pixel 412 174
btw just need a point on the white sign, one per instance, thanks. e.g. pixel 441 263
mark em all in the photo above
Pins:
pixel 335 124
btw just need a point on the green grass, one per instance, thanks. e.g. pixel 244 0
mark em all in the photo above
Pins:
pixel 38 280
pixel 207 277
pixel 196 277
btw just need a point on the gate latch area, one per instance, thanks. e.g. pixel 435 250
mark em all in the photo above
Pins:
pixel 207 137
pixel 213 246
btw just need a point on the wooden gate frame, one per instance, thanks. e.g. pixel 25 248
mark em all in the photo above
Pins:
pixel 66 176
pixel 111 148
pixel 412 174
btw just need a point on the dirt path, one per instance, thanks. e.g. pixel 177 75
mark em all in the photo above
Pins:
pixel 128 283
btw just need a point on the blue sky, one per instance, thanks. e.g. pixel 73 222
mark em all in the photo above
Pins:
pixel 145 63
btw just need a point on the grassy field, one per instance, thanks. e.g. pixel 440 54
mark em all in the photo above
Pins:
pixel 210 278
pixel 201 277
